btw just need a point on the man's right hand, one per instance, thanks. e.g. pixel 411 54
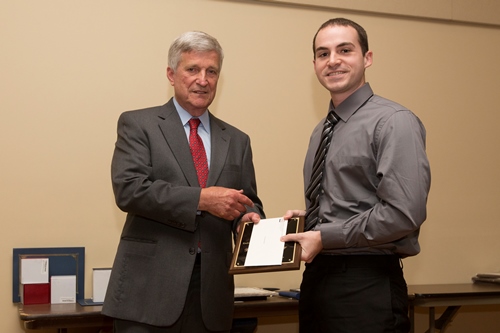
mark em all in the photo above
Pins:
pixel 224 202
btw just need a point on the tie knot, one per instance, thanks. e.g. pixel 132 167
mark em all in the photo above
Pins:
pixel 194 123
pixel 332 118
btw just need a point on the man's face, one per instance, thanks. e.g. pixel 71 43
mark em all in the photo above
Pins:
pixel 195 80
pixel 339 62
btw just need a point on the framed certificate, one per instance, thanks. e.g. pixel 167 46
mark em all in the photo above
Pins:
pixel 61 261
pixel 291 250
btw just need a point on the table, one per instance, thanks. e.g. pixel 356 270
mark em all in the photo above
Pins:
pixel 452 296
pixel 64 316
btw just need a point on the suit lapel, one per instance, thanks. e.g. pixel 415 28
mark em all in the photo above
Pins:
pixel 175 137
pixel 220 148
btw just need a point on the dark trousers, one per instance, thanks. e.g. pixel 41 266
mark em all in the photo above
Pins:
pixel 190 320
pixel 354 293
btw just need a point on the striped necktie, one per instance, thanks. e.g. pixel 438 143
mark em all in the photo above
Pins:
pixel 314 189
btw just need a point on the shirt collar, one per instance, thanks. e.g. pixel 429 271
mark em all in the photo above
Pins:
pixel 352 103
pixel 185 116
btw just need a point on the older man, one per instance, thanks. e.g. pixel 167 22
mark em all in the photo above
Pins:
pixel 186 179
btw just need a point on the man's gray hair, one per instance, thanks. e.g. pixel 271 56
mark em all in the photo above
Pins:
pixel 193 41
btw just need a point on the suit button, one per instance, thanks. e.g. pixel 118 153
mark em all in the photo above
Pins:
pixel 192 250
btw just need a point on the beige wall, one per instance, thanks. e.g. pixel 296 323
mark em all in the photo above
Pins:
pixel 477 11
pixel 69 68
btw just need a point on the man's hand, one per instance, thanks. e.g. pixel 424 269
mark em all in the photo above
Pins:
pixel 294 213
pixel 224 202
pixel 310 241
pixel 249 217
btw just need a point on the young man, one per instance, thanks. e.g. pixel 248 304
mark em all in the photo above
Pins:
pixel 367 179
pixel 186 179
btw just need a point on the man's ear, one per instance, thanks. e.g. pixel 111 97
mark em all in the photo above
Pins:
pixel 368 59
pixel 170 75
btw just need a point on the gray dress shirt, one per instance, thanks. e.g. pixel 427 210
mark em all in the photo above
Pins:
pixel 376 179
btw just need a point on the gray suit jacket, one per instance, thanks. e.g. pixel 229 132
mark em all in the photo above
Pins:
pixel 155 182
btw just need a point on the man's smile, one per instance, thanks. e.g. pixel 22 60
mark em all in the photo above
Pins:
pixel 335 73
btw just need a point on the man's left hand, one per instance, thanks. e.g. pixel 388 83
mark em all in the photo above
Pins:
pixel 249 217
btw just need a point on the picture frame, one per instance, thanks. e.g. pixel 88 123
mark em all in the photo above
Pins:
pixel 62 261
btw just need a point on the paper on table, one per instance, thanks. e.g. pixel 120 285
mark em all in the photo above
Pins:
pixel 265 247
pixel 252 291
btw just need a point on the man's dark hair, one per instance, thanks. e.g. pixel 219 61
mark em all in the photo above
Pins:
pixel 362 36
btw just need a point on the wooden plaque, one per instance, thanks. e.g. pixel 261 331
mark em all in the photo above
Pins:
pixel 291 251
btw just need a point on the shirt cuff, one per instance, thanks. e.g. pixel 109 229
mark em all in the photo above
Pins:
pixel 332 236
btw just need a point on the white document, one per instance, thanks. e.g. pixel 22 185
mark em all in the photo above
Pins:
pixel 100 283
pixel 252 291
pixel 265 247
pixel 62 289
pixel 34 270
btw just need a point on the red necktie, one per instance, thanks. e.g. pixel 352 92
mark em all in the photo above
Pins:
pixel 198 152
